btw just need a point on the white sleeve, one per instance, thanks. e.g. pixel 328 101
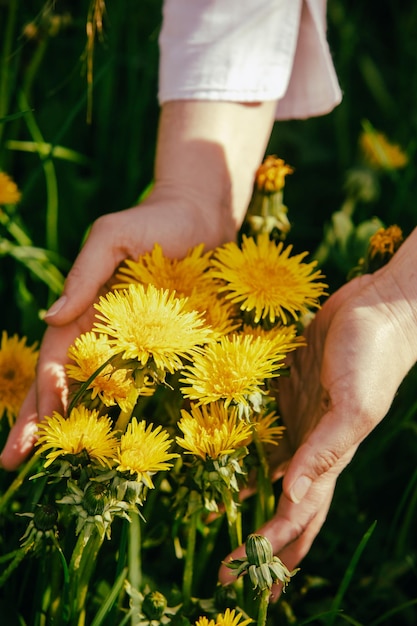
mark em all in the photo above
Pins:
pixel 227 49
pixel 248 51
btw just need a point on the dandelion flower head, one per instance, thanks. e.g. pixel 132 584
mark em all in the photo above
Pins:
pixel 180 275
pixel 89 353
pixel 231 370
pixel 232 618
pixel 264 279
pixel 9 191
pixel 144 323
pixel 84 432
pixel 143 451
pixel 211 431
pixel 17 372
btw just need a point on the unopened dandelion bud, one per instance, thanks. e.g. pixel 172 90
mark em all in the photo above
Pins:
pixel 95 498
pixel 258 550
pixel 154 605
pixel 45 517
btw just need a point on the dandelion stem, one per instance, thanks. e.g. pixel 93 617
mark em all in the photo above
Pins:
pixel 187 581
pixel 135 565
pixel 81 567
pixel 18 481
pixel 263 606
pixel 265 499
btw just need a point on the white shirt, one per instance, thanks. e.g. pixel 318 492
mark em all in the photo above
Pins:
pixel 249 51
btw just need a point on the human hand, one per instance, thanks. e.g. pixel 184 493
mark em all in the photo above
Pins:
pixel 360 346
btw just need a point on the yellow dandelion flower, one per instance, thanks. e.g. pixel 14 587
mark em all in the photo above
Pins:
pixel 9 191
pixel 17 373
pixel 232 618
pixel 266 428
pixel 112 385
pixel 212 430
pixel 282 339
pixel 270 176
pixel 143 451
pixel 379 152
pixel 263 278
pixel 145 323
pixel 179 275
pixel 204 621
pixel 231 370
pixel 219 314
pixel 83 433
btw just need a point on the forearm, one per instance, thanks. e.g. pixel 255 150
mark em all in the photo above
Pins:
pixel 207 156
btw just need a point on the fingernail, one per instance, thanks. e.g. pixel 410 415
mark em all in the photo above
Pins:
pixel 56 307
pixel 300 488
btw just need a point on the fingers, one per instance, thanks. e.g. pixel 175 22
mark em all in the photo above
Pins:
pixel 93 267
pixel 22 436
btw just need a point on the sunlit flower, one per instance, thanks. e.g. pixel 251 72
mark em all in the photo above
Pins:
pixel 218 313
pixel 380 152
pixel 204 621
pixel 17 372
pixel 9 191
pixel 229 618
pixel 212 430
pixel 263 278
pixel 231 369
pixel 266 428
pixel 179 275
pixel 84 433
pixel 270 176
pixel 282 339
pixel 112 385
pixel 145 323
pixel 144 451
pixel 232 618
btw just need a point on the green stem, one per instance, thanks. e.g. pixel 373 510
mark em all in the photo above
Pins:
pixel 187 581
pixel 263 606
pixel 18 481
pixel 134 564
pixel 265 499
pixel 81 568
pixel 234 519
pixel 50 178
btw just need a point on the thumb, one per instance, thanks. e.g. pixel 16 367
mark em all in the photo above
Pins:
pixel 93 267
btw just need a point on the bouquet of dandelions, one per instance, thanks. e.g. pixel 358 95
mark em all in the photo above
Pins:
pixel 172 405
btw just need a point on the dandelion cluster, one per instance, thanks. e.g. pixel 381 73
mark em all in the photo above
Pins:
pixel 172 386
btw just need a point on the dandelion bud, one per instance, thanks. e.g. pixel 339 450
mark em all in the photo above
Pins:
pixel 258 550
pixel 95 498
pixel 45 517
pixel 154 605
pixel 270 176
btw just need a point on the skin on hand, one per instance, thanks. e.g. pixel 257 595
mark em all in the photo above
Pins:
pixel 204 172
pixel 360 346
